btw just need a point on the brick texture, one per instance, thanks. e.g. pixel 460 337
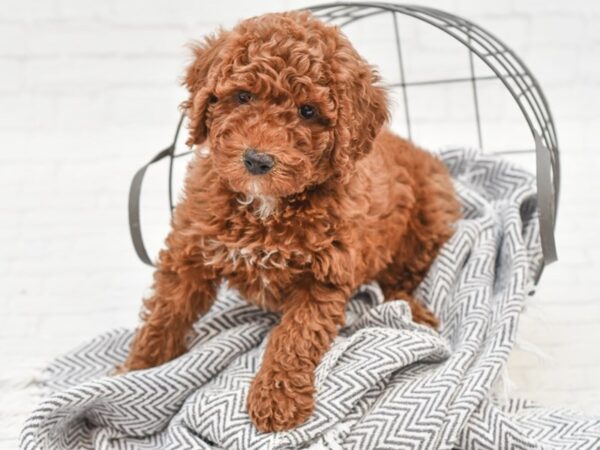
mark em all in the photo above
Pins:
pixel 89 91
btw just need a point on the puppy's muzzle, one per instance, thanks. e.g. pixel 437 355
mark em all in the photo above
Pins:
pixel 258 163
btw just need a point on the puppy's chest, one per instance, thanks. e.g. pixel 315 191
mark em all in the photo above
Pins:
pixel 247 245
pixel 263 274
pixel 231 257
pixel 264 259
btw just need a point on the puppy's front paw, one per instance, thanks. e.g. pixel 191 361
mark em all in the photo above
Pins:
pixel 277 402
pixel 423 315
pixel 119 369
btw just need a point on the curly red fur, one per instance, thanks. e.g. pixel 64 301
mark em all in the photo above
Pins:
pixel 347 202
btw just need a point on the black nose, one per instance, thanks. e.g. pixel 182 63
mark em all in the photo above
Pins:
pixel 258 163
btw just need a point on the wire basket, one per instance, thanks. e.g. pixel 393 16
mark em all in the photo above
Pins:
pixel 487 60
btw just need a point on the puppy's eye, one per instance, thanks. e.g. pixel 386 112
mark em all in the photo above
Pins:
pixel 213 99
pixel 307 112
pixel 243 97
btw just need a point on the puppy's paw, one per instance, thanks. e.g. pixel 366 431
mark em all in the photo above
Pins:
pixel 131 364
pixel 119 369
pixel 423 315
pixel 276 403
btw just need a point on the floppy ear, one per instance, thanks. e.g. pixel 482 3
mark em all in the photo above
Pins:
pixel 200 81
pixel 362 110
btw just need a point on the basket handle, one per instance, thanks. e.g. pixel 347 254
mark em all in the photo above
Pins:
pixel 546 202
pixel 135 191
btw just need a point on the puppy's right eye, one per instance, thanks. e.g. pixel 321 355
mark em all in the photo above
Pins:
pixel 243 97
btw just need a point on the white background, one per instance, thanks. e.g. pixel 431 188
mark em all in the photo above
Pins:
pixel 89 91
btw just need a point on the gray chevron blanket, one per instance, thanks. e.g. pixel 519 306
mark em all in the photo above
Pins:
pixel 386 383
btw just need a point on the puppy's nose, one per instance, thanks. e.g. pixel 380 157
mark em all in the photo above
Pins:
pixel 258 163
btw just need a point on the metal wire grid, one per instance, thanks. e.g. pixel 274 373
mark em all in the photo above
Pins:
pixel 506 67
pixel 500 59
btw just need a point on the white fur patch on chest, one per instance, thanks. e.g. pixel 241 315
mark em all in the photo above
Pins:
pixel 254 257
pixel 260 264
pixel 222 255
pixel 264 205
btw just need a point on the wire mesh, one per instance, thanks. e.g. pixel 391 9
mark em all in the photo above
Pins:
pixel 482 46
pixel 506 66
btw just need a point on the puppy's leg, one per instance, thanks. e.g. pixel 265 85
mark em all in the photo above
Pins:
pixel 282 393
pixel 420 313
pixel 400 287
pixel 182 292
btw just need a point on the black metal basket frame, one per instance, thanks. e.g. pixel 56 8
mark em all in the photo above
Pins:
pixel 506 67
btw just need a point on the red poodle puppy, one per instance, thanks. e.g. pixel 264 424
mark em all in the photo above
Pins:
pixel 299 197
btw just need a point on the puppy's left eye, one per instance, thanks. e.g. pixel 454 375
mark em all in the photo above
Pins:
pixel 307 112
pixel 243 97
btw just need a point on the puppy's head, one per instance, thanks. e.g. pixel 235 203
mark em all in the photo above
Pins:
pixel 285 102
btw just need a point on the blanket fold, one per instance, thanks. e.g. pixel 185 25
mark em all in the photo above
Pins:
pixel 385 383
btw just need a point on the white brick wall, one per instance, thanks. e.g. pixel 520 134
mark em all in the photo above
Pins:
pixel 88 92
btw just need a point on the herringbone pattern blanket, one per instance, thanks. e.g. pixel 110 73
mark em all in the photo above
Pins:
pixel 386 383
